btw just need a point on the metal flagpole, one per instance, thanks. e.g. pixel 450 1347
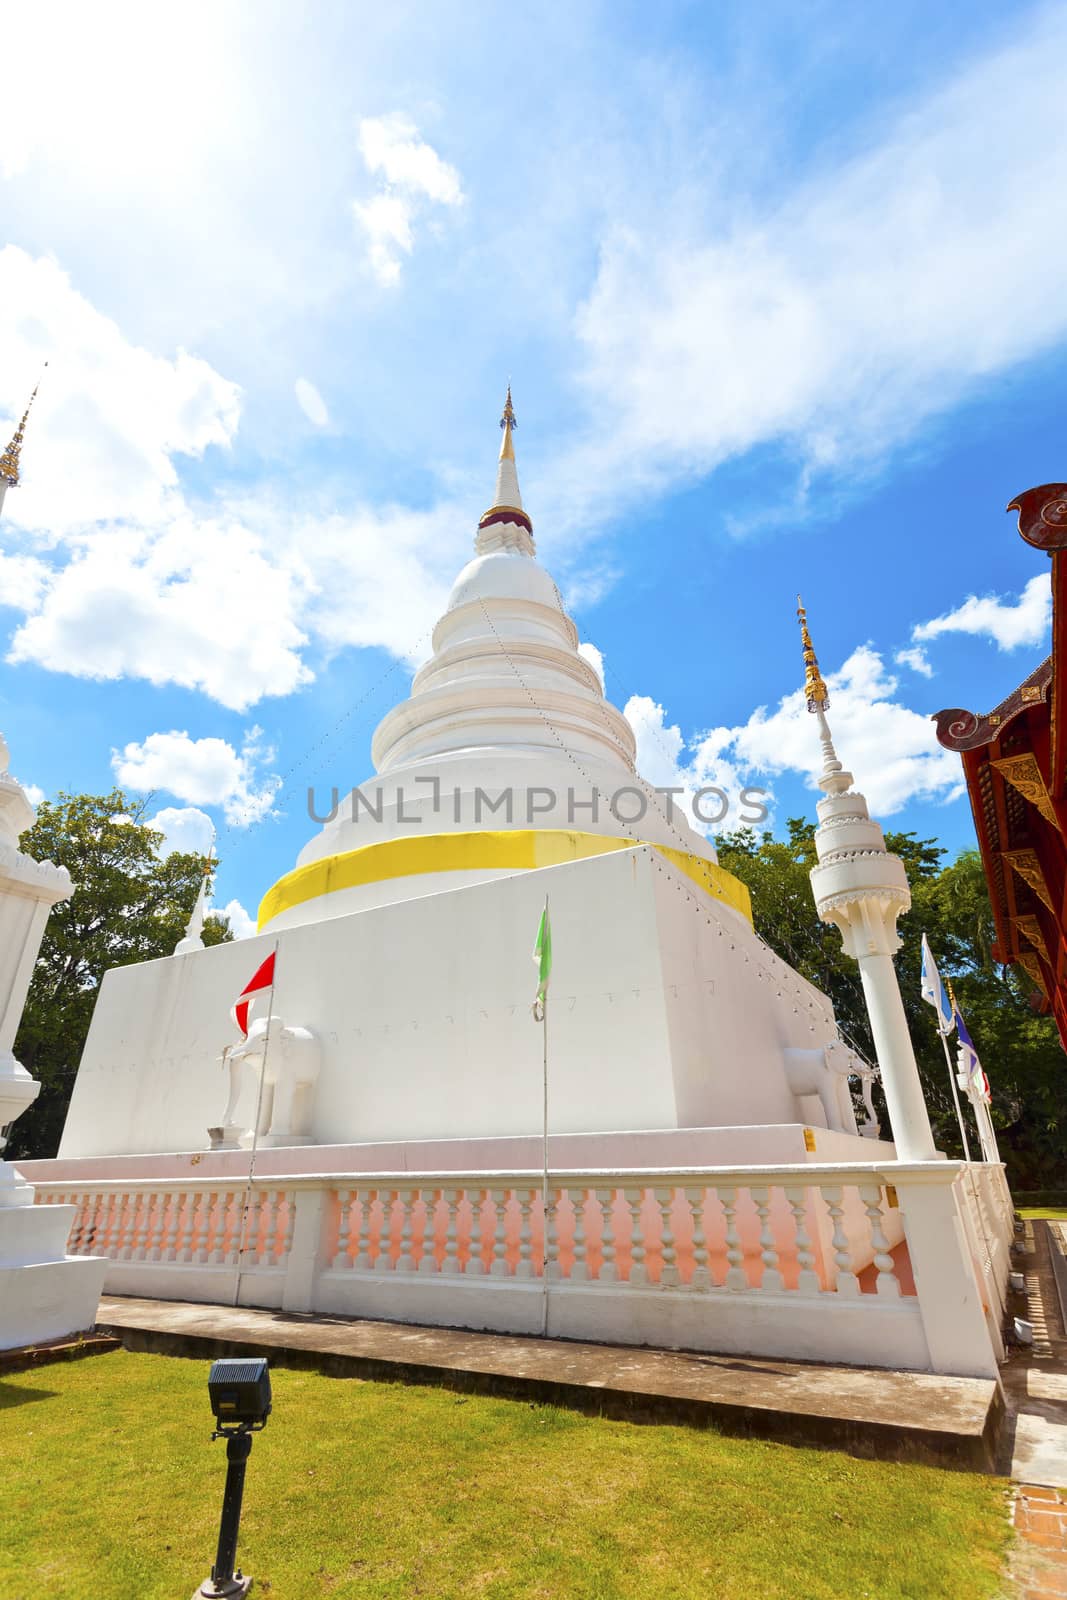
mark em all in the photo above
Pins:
pixel 954 1070
pixel 955 1096
pixel 241 1246
pixel 544 1150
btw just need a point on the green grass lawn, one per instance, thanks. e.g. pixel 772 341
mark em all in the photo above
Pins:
pixel 1051 1213
pixel 111 1487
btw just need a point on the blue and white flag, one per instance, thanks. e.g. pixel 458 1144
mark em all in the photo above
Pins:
pixel 934 992
pixel 967 1059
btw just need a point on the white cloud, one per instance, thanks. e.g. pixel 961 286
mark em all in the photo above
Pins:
pixel 23 580
pixel 311 403
pixel 594 657
pixel 109 418
pixel 915 658
pixel 891 749
pixel 391 146
pixel 202 772
pixel 124 579
pixel 665 760
pixel 387 219
pixel 34 793
pixel 414 177
pixel 198 602
pixel 1008 623
pixel 242 926
pixel 836 321
pixel 184 828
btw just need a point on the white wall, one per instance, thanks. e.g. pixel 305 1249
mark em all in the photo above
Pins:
pixel 423 1009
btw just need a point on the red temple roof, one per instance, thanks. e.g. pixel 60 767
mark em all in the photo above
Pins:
pixel 1015 765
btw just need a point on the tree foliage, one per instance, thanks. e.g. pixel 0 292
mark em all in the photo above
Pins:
pixel 1020 1049
pixel 129 904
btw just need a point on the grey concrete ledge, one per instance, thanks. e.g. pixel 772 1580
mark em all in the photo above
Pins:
pixel 900 1416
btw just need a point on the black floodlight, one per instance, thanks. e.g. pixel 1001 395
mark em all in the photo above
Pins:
pixel 240 1395
pixel 241 1404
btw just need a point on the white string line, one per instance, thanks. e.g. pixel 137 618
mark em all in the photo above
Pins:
pixel 776 960
pixel 667 751
pixel 846 978
pixel 238 833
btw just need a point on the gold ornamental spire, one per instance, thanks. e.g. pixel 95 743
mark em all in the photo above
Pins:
pixel 814 685
pixel 507 422
pixel 9 461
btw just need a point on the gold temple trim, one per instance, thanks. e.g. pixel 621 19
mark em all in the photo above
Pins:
pixel 1030 929
pixel 1026 864
pixel 1024 774
pixel 1032 967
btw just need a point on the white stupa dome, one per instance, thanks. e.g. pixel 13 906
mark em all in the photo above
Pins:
pixel 505 757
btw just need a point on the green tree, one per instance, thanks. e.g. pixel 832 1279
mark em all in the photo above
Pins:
pixel 129 904
pixel 1019 1047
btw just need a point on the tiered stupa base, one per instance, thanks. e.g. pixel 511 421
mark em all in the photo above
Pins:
pixel 44 1293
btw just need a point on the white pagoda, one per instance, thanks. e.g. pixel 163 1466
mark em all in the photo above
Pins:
pixel 673 1158
pixel 404 931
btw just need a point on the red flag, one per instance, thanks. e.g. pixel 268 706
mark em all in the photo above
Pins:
pixel 264 979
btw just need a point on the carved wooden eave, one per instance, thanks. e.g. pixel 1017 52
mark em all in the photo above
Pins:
pixel 963 730
pixel 1031 965
pixel 1043 516
pixel 1024 774
pixel 1027 865
pixel 1030 928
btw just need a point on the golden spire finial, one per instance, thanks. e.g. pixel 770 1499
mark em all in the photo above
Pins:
pixel 9 461
pixel 814 687
pixel 507 422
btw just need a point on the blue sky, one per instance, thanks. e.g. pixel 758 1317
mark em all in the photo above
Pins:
pixel 780 293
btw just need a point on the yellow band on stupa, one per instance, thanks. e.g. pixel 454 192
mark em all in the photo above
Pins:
pixel 518 849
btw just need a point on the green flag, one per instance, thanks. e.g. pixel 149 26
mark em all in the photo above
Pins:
pixel 542 954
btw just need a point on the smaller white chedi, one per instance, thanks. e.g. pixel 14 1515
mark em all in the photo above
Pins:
pixel 44 1293
pixel 401 1002
pixel 862 890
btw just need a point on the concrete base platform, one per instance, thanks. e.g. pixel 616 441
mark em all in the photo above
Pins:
pixel 953 1422
pixel 73 1348
pixel 45 1300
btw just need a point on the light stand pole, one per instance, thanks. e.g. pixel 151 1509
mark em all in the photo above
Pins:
pixel 223 1581
pixel 241 1402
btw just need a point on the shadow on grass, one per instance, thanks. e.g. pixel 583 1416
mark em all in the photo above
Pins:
pixel 12 1395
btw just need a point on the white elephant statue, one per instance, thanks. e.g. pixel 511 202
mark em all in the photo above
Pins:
pixel 288 1058
pixel 824 1071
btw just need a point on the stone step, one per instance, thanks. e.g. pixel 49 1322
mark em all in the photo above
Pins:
pixel 903 1416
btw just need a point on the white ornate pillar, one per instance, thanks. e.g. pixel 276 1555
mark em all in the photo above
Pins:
pixel 44 1293
pixel 28 891
pixel 862 889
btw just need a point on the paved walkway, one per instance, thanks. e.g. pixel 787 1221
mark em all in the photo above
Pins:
pixel 896 1415
pixel 1035 1437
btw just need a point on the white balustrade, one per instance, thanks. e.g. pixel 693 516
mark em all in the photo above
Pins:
pixel 450 1263
pixel 638 1274
pixel 807 1277
pixel 579 1272
pixel 887 1282
pixel 817 1247
pixel 669 1276
pixel 695 1200
pixel 428 1256
pixel 524 1199
pixel 405 1261
pixel 772 1278
pixel 344 1227
pixel 605 1199
pixel 498 1267
pixel 736 1276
